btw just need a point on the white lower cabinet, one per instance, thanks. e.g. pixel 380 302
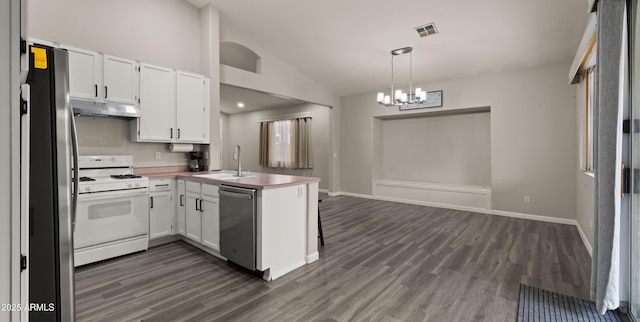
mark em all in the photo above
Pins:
pixel 210 217
pixel 181 208
pixel 160 207
pixel 202 218
pixel 193 218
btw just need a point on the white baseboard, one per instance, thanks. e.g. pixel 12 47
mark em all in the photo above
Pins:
pixel 585 241
pixel 351 194
pixel 503 213
pixel 323 191
pixel 312 257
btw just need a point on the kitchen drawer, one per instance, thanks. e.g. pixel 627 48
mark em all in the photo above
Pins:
pixel 161 185
pixel 193 187
pixel 210 190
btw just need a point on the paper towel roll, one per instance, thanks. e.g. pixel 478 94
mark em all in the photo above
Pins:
pixel 180 147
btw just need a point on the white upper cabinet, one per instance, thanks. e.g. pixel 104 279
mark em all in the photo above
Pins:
pixel 120 80
pixel 174 107
pixel 97 77
pixel 157 104
pixel 192 107
pixel 85 73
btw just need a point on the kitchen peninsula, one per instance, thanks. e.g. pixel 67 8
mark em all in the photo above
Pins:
pixel 286 234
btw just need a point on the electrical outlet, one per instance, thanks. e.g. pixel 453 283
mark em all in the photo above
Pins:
pixel 158 155
pixel 527 199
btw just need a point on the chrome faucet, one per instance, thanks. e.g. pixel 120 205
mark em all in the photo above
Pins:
pixel 236 157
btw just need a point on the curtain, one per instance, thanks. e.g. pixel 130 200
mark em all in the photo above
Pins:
pixel 605 272
pixel 286 144
pixel 303 143
pixel 263 153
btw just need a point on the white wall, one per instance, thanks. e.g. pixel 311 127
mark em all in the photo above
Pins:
pixel 585 183
pixel 210 64
pixel 452 149
pixel 278 77
pixel 6 196
pixel 99 136
pixel 275 76
pixel 243 129
pixel 161 32
pixel 10 158
pixel 533 146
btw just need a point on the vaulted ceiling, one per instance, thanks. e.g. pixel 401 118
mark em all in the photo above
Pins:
pixel 345 45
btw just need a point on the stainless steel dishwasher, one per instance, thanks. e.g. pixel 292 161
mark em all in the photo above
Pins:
pixel 238 225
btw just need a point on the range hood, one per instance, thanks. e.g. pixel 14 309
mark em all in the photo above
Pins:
pixel 104 109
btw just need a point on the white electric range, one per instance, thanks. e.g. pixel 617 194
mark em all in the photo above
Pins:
pixel 113 209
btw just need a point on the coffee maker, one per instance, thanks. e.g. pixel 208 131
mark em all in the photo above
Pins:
pixel 196 162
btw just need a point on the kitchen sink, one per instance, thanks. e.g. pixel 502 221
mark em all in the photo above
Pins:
pixel 224 176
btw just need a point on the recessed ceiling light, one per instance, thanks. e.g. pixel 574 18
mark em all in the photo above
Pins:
pixel 240 104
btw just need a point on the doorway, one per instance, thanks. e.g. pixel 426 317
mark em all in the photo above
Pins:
pixel 634 304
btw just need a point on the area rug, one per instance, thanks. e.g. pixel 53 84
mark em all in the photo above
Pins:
pixel 537 304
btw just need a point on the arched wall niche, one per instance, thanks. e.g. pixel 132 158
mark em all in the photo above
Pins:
pixel 239 56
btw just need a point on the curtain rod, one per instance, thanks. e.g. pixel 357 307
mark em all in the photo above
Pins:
pixel 287 117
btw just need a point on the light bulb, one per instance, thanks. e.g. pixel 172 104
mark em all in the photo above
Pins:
pixel 418 91
pixel 387 99
pixel 397 95
pixel 380 97
pixel 423 96
pixel 404 97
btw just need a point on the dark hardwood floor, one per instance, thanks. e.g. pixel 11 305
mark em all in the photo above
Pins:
pixel 382 261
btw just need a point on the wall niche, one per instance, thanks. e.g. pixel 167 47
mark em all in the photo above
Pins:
pixel 239 56
pixel 439 157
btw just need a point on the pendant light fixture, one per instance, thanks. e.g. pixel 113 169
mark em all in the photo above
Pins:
pixel 397 97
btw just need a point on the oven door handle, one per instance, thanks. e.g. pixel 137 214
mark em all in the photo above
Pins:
pixel 114 194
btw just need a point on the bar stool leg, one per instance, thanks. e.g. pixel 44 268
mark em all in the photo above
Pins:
pixel 320 234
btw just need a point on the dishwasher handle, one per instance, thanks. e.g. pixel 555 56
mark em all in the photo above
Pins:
pixel 235 194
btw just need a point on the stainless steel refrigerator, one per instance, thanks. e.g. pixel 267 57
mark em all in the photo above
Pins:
pixel 52 185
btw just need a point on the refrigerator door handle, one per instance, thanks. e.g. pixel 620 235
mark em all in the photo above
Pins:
pixel 76 176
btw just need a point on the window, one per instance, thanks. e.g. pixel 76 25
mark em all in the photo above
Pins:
pixel 588 74
pixel 590 79
pixel 286 144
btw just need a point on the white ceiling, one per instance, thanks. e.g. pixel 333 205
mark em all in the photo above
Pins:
pixel 345 45
pixel 230 96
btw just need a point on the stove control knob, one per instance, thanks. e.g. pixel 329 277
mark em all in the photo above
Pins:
pixel 128 185
pixel 137 185
pixel 88 188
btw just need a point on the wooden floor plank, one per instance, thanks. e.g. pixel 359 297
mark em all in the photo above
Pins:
pixel 382 261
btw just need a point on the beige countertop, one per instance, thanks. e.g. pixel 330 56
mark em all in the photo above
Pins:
pixel 256 181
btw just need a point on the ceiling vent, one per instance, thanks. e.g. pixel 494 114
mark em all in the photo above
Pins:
pixel 427 30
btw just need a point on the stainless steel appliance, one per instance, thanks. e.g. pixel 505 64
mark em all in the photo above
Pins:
pixel 104 109
pixel 196 162
pixel 238 225
pixel 113 209
pixel 53 185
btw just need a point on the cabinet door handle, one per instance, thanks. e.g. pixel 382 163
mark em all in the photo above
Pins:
pixel 96 89
pixel 178 133
pixel 201 210
pixel 181 200
pixel 197 199
pixel 171 137
pixel 105 91
pixel 151 203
